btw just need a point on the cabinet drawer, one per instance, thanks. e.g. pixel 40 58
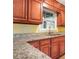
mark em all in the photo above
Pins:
pixel 62 38
pixel 56 39
pixel 35 44
pixel 45 41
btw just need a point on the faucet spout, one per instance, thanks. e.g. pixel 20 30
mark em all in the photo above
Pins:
pixel 49 31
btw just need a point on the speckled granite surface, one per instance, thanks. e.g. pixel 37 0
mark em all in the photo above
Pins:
pixel 23 50
pixel 34 36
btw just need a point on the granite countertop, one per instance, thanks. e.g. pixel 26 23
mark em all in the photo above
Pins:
pixel 23 50
pixel 35 36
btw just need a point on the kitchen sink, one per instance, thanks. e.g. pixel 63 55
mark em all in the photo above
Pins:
pixel 52 34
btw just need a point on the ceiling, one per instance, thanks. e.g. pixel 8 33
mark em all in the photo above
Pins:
pixel 61 1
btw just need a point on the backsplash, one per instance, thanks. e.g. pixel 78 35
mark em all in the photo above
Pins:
pixel 61 29
pixel 26 28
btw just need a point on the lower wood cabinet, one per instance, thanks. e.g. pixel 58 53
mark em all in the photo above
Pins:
pixel 35 44
pixel 45 46
pixel 62 45
pixel 45 49
pixel 53 47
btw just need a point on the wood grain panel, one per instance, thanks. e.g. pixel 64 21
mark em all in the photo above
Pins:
pixel 19 8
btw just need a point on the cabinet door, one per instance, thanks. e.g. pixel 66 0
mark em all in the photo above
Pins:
pixel 19 10
pixel 55 50
pixel 57 4
pixel 59 19
pixel 45 49
pixel 45 46
pixel 63 17
pixel 35 11
pixel 62 45
pixel 35 44
pixel 55 47
pixel 48 2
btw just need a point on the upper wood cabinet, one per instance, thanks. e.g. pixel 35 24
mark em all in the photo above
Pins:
pixel 35 11
pixel 31 11
pixel 58 5
pixel 55 5
pixel 61 18
pixel 20 10
pixel 50 2
pixel 27 11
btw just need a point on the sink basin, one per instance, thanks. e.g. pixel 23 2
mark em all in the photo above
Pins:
pixel 52 34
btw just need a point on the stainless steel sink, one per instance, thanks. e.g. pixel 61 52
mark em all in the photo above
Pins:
pixel 52 34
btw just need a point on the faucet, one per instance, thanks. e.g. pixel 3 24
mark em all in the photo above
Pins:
pixel 49 31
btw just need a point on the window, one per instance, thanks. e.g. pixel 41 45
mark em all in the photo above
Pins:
pixel 49 21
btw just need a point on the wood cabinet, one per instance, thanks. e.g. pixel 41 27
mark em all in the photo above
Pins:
pixel 45 46
pixel 50 2
pixel 20 11
pixel 61 18
pixel 62 45
pixel 55 48
pixel 27 11
pixel 31 11
pixel 58 5
pixel 35 11
pixel 34 43
pixel 42 45
pixel 45 49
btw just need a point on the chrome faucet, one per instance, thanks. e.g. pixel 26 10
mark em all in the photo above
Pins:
pixel 49 31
